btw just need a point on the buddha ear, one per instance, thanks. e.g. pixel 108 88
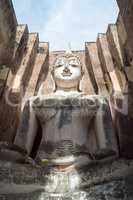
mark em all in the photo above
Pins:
pixel 52 72
pixel 82 74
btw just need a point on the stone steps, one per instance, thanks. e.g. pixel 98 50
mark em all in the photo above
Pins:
pixel 107 63
pixel 39 70
pixel 19 48
pixel 86 84
pixel 94 66
pixel 8 25
pixel 24 57
pixel 114 44
pixel 108 55
pixel 9 119
pixel 116 52
pixel 21 32
pixel 26 66
pixel 122 34
pixel 126 10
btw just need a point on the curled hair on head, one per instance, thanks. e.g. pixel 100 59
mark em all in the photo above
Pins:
pixel 65 56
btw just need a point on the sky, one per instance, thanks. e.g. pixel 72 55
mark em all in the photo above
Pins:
pixel 66 23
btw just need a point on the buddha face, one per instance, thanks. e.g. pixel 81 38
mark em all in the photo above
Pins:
pixel 67 72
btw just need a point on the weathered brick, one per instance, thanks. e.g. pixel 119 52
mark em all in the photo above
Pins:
pixel 107 62
pixel 8 23
pixel 95 70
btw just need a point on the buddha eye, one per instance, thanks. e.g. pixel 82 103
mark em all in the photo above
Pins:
pixel 57 66
pixel 73 65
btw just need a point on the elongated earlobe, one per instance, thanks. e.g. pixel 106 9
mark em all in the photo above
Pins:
pixel 82 74
pixel 52 72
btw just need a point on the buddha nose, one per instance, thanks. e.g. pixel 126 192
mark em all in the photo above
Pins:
pixel 66 69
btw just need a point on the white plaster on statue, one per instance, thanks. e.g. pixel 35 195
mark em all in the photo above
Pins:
pixel 65 117
pixel 16 82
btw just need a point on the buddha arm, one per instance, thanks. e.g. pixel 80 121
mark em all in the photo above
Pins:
pixel 104 128
pixel 27 129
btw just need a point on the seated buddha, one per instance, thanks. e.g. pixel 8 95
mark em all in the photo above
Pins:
pixel 63 122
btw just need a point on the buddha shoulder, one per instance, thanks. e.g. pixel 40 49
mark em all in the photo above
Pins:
pixel 39 100
pixel 99 99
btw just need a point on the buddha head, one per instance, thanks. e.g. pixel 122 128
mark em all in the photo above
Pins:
pixel 67 72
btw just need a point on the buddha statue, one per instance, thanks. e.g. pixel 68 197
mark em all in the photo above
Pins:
pixel 63 121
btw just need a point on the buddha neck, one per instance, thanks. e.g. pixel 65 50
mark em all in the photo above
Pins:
pixel 67 91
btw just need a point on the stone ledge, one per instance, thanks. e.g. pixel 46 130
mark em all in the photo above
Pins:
pixel 108 179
